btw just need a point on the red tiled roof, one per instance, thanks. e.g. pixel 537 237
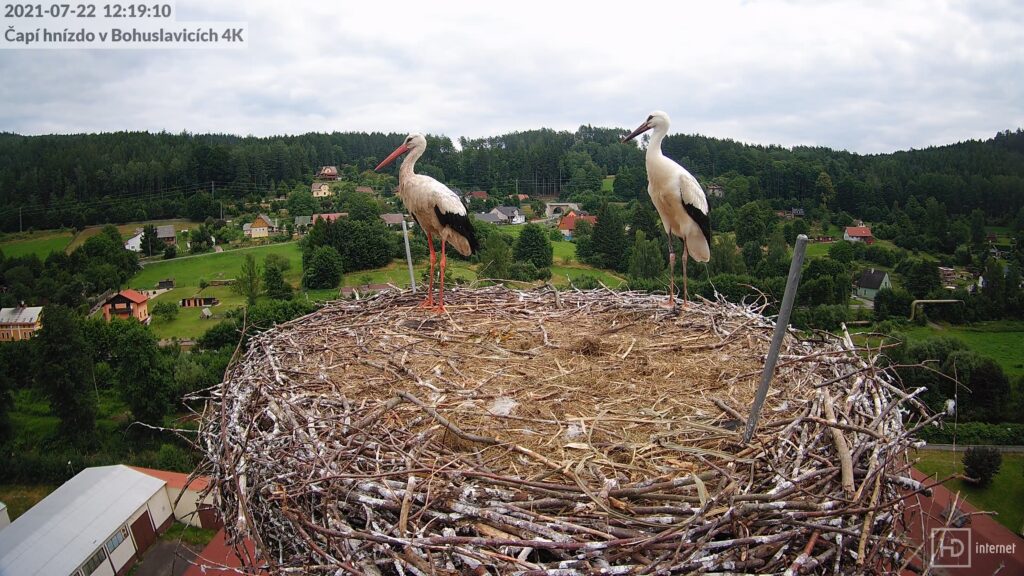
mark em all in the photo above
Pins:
pixel 133 296
pixel 925 513
pixel 858 231
pixel 220 559
pixel 478 194
pixel 175 479
pixel 329 217
pixel 364 189
pixel 568 222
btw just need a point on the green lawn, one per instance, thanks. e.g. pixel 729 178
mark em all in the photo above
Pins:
pixel 564 249
pixel 188 534
pixel 1004 495
pixel 20 497
pixel 39 243
pixel 1000 341
pixel 187 271
pixel 607 183
pixel 189 323
pixel 560 276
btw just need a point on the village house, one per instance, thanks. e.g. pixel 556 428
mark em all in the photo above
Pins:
pixel 321 189
pixel 167 235
pixel 522 197
pixel 99 522
pixel 327 173
pixel 948 276
pixel 509 215
pixel 568 222
pixel 302 223
pixel 331 217
pixel 134 244
pixel 715 191
pixel 262 226
pixel 871 281
pixel 365 190
pixel 858 234
pixel 189 508
pixel 393 219
pixel 20 323
pixel 127 304
pixel 478 194
pixel 489 217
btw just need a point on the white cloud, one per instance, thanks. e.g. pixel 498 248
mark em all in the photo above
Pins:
pixel 864 76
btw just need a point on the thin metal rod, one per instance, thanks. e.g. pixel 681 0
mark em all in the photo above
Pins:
pixel 408 255
pixel 795 268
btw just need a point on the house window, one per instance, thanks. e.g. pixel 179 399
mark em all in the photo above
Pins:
pixel 116 540
pixel 94 561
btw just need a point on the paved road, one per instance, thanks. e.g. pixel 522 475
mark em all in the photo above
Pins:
pixel 166 558
pixel 962 447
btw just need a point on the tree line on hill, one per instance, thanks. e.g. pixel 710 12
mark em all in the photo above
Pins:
pixel 75 180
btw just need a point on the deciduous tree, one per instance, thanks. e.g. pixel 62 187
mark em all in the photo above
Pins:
pixel 63 371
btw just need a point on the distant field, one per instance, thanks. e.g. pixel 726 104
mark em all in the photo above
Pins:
pixel 1004 495
pixel 39 243
pixel 128 230
pixel 560 276
pixel 187 271
pixel 607 183
pixel 189 323
pixel 564 249
pixel 20 497
pixel 1000 341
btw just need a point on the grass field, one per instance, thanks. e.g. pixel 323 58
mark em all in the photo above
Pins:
pixel 21 497
pixel 1000 341
pixel 187 271
pixel 39 243
pixel 607 184
pixel 1004 495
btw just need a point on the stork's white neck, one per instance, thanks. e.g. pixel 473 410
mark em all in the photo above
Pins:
pixel 654 146
pixel 406 171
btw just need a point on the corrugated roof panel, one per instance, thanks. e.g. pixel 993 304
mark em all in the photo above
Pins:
pixel 59 533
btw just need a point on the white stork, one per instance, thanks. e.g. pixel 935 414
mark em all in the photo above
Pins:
pixel 435 208
pixel 679 199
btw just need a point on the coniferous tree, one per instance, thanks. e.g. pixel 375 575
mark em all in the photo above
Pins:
pixel 275 285
pixel 609 239
pixel 495 258
pixel 646 260
pixel 533 245
pixel 248 282
pixel 63 371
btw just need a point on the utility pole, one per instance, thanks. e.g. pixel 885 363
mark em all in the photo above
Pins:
pixel 19 219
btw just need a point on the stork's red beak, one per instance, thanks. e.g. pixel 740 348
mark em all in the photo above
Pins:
pixel 640 130
pixel 398 152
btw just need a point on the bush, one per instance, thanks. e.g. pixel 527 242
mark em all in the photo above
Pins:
pixel 1004 434
pixel 170 252
pixel 165 311
pixel 981 464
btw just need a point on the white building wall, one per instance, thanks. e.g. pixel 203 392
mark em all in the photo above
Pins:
pixel 103 569
pixel 123 553
pixel 159 508
pixel 187 509
pixel 5 520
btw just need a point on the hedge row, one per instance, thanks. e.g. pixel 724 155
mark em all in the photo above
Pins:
pixel 975 433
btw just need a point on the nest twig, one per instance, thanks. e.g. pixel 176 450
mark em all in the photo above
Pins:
pixel 555 433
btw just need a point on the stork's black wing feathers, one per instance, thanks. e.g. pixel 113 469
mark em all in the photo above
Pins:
pixel 461 224
pixel 702 220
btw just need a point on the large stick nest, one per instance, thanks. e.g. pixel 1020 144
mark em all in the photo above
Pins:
pixel 556 433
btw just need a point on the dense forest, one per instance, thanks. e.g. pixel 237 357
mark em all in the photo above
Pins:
pixel 77 180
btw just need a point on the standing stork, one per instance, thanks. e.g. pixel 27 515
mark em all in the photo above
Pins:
pixel 679 199
pixel 435 208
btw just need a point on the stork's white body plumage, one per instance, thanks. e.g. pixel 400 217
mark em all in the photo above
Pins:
pixel 678 197
pixel 437 210
pixel 421 194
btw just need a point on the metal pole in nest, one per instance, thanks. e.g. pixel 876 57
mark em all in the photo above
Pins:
pixel 408 255
pixel 795 268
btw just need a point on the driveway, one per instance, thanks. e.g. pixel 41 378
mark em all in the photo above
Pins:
pixel 166 558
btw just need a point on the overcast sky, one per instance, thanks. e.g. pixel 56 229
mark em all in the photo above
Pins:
pixel 856 75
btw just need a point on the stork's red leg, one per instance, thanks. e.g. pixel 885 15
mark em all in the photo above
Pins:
pixel 444 263
pixel 429 302
pixel 671 273
pixel 686 256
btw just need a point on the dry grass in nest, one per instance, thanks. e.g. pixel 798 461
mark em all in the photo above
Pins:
pixel 555 433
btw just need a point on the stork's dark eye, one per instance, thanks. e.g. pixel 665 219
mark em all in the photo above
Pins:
pixel 408 140
pixel 651 117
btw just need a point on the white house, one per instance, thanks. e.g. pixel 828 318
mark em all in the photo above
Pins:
pixel 134 243
pixel 871 281
pixel 188 507
pixel 5 519
pixel 509 215
pixel 97 523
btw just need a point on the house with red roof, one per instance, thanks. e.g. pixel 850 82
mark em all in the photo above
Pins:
pixel 186 497
pixel 331 217
pixel 568 222
pixel 127 304
pixel 858 234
